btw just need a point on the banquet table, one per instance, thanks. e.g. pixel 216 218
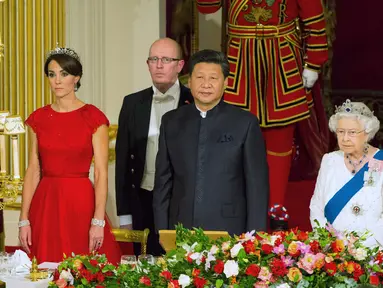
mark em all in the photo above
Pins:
pixel 21 280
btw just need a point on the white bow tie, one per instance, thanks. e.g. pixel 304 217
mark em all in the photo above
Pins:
pixel 162 97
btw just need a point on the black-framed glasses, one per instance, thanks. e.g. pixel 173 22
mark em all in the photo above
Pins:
pixel 164 60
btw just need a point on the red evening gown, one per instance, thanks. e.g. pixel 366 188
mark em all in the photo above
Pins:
pixel 64 202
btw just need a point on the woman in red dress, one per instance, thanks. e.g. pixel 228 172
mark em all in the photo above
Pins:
pixel 61 211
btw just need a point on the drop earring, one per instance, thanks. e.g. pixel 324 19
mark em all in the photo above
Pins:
pixel 365 149
pixel 75 87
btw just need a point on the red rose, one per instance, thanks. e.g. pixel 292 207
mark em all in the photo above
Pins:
pixel 199 282
pixel 314 246
pixel 100 277
pixel 278 242
pixel 87 275
pixel 337 246
pixel 145 280
pixel 56 275
pixel 190 260
pixel 173 284
pixel 278 268
pixel 249 247
pixel 374 280
pixel 196 272
pixel 357 273
pixel 166 274
pixel 330 268
pixel 267 249
pixel 93 262
pixel 218 267
pixel 253 270
pixel 302 236
pixel 379 257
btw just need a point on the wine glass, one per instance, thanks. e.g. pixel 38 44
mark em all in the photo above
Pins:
pixel 129 260
pixel 146 258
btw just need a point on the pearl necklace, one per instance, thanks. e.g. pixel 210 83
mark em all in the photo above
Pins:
pixel 355 164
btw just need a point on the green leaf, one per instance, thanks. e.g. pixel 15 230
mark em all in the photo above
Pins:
pixel 218 283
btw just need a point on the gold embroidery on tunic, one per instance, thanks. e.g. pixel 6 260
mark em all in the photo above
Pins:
pixel 258 13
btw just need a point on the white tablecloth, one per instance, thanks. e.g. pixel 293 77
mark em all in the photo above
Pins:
pixel 19 281
pixel 22 282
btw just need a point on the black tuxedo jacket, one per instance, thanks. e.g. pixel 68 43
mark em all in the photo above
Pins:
pixel 211 172
pixel 132 137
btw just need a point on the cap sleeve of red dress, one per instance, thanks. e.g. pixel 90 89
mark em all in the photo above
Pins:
pixel 95 118
pixel 33 119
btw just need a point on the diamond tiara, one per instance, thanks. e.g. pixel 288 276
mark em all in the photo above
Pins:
pixel 349 107
pixel 64 51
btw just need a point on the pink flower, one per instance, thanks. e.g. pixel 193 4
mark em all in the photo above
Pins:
pixel 303 247
pixel 61 283
pixel 287 260
pixel 279 249
pixel 261 284
pixel 307 263
pixel 264 274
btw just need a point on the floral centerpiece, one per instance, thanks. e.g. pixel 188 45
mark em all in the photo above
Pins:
pixel 322 258
pixel 85 271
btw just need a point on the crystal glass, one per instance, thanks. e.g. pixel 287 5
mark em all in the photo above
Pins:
pixel 129 259
pixel 3 269
pixel 7 263
pixel 146 258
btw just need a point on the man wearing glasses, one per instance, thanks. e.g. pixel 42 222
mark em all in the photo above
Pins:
pixel 137 138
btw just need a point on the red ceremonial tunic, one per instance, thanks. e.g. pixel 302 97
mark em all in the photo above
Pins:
pixel 267 55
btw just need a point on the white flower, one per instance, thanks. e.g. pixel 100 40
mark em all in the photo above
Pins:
pixel 189 249
pixel 274 238
pixel 197 257
pixel 210 257
pixel 184 280
pixel 284 285
pixel 360 254
pixel 231 268
pixel 214 249
pixel 248 236
pixel 235 250
pixel 67 276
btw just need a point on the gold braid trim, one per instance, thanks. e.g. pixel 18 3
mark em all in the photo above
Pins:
pixel 282 154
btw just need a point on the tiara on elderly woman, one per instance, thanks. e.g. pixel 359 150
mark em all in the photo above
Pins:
pixel 349 107
pixel 64 51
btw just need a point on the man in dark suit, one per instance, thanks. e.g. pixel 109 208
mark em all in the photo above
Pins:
pixel 211 169
pixel 137 138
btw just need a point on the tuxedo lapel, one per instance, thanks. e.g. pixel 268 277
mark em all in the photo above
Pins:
pixel 142 120
pixel 185 96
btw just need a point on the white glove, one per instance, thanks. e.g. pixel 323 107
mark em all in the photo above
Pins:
pixel 309 78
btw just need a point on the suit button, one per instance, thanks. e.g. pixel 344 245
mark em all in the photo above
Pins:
pixel 132 156
pixel 133 186
pixel 132 171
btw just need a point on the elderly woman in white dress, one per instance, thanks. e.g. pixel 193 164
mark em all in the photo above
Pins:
pixel 348 192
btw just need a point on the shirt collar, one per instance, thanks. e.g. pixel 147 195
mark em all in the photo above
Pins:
pixel 173 92
pixel 202 113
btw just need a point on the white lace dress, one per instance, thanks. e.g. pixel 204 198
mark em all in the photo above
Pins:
pixel 364 210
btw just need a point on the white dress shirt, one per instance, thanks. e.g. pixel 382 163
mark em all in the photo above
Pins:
pixel 202 113
pixel 333 174
pixel 161 103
